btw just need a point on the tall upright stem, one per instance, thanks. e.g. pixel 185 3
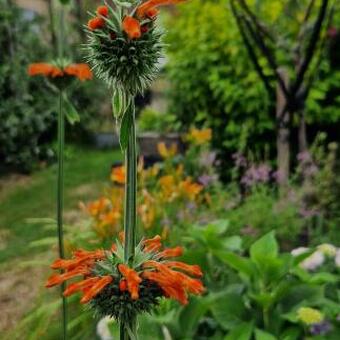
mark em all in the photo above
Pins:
pixel 130 211
pixel 60 200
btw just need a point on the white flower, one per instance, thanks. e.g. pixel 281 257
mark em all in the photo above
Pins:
pixel 103 330
pixel 313 261
pixel 327 249
pixel 299 251
pixel 337 259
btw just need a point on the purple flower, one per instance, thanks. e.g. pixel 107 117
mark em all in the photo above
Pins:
pixel 256 174
pixel 304 157
pixel 321 328
pixel 207 180
pixel 239 160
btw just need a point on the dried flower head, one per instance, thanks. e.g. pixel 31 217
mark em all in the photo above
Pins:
pixel 124 45
pixel 122 290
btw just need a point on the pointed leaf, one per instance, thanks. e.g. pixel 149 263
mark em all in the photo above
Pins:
pixel 70 111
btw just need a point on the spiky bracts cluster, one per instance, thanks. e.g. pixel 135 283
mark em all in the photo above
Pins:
pixel 124 290
pixel 123 48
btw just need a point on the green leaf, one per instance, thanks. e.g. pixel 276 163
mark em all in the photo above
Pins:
pixel 233 243
pixel 241 332
pixel 120 103
pixel 228 309
pixel 265 248
pixel 125 129
pixel 70 111
pixel 262 335
pixel 191 315
pixel 237 262
pixel 292 333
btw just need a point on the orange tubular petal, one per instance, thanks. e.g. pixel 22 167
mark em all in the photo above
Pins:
pixel 146 6
pixel 96 23
pixel 103 10
pixel 131 27
pixel 190 269
pixel 96 288
pixel 171 252
pixel 81 71
pixel 44 69
pixel 58 279
pixel 152 244
pixel 76 287
pixel 133 280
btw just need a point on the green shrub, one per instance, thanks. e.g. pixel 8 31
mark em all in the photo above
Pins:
pixel 25 111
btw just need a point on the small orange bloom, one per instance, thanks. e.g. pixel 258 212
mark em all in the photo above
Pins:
pixel 44 69
pixel 97 207
pixel 131 27
pixel 79 286
pixel 81 71
pixel 190 269
pixel 152 244
pixel 103 10
pixel 118 175
pixel 96 288
pixel 152 13
pixel 58 279
pixel 171 252
pixel 152 4
pixel 96 23
pixel 133 280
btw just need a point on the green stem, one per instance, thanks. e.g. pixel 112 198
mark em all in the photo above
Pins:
pixel 130 211
pixel 60 199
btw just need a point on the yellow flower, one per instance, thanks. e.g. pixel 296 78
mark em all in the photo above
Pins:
pixel 327 249
pixel 168 186
pixel 190 189
pixel 166 152
pixel 199 137
pixel 309 316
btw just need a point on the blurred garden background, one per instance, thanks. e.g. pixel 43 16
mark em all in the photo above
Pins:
pixel 239 162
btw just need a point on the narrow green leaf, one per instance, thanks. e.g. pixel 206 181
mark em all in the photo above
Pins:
pixel 125 130
pixel 70 111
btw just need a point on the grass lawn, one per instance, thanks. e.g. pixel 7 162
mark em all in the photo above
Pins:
pixel 34 197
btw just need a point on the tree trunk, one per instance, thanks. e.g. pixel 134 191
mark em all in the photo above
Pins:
pixel 283 132
pixel 303 144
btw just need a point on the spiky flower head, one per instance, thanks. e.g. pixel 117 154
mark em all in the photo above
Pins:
pixel 113 287
pixel 124 45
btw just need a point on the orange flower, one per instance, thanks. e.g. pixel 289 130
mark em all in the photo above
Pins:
pixel 44 69
pixel 97 207
pixel 133 280
pixel 143 9
pixel 81 71
pixel 131 27
pixel 103 10
pixel 171 252
pixel 190 269
pixel 152 244
pixel 118 174
pixel 152 13
pixel 190 189
pixel 96 288
pixel 79 286
pixel 96 23
pixel 58 279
